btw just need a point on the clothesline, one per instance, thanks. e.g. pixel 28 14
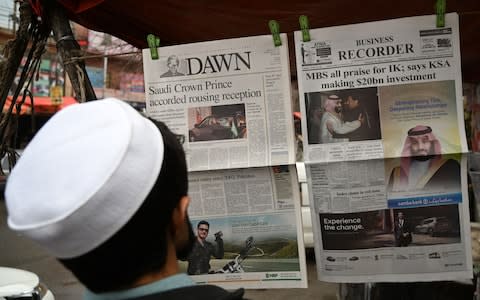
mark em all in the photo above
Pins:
pixel 73 59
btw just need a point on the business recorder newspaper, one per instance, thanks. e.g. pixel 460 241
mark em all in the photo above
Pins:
pixel 257 211
pixel 383 129
pixel 227 100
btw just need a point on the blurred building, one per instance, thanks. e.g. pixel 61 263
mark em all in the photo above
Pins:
pixel 111 73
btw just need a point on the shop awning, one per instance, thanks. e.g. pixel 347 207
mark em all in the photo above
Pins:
pixel 187 21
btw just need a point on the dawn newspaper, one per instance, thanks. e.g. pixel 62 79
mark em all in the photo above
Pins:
pixel 382 117
pixel 228 101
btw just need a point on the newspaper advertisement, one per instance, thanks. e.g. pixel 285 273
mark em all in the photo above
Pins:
pixel 373 226
pixel 227 100
pixel 363 86
pixel 387 180
pixel 248 229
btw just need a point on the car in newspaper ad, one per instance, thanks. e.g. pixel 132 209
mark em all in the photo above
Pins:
pixel 435 226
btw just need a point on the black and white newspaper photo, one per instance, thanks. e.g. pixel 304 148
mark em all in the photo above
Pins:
pixel 363 86
pixel 227 100
pixel 248 229
pixel 384 142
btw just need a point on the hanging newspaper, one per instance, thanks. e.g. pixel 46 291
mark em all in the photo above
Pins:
pixel 227 100
pixel 362 87
pixel 372 224
pixel 249 223
pixel 387 181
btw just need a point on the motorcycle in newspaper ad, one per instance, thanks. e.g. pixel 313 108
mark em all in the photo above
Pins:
pixel 235 265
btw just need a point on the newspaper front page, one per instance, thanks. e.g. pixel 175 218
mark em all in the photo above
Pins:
pixel 362 87
pixel 227 100
pixel 382 111
pixel 253 230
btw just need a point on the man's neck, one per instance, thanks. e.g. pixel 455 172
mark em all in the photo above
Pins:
pixel 152 277
pixel 169 269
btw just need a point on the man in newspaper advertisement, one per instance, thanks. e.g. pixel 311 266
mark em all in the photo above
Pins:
pixel 421 166
pixel 402 230
pixel 199 257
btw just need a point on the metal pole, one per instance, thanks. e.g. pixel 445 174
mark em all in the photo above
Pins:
pixel 68 48
pixel 14 17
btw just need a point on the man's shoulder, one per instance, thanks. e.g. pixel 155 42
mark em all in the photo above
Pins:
pixel 452 163
pixel 197 292
pixel 448 166
pixel 166 74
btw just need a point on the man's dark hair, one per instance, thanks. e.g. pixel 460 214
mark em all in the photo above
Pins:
pixel 140 246
pixel 357 97
pixel 203 222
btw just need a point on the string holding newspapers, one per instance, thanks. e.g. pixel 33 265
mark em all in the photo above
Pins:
pixel 382 119
pixel 382 116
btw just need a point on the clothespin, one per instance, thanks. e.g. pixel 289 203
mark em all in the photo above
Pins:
pixel 303 20
pixel 153 44
pixel 440 8
pixel 275 30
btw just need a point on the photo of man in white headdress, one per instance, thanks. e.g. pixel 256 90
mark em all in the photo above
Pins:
pixel 422 165
pixel 332 122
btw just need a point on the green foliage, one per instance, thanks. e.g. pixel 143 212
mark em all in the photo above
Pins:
pixel 288 251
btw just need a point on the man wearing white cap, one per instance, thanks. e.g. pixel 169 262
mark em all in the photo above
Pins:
pixel 105 191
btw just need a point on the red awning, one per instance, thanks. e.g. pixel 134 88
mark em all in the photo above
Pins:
pixel 42 105
pixel 188 21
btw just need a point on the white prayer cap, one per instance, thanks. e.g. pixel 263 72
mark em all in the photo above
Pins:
pixel 83 176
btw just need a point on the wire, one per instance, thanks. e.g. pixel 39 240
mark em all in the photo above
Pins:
pixel 73 59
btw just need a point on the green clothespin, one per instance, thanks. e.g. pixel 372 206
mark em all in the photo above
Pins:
pixel 153 44
pixel 440 8
pixel 275 30
pixel 303 20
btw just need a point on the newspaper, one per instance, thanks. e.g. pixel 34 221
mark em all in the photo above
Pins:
pixel 390 76
pixel 228 101
pixel 382 109
pixel 356 209
pixel 256 214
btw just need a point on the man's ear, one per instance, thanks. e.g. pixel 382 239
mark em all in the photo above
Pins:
pixel 180 212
